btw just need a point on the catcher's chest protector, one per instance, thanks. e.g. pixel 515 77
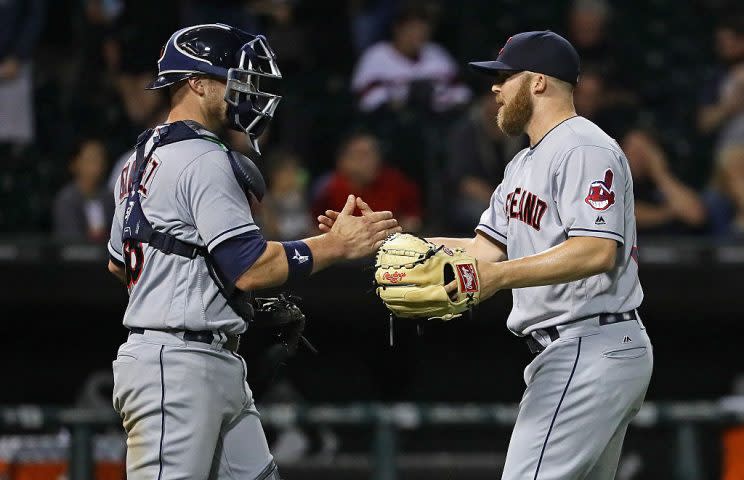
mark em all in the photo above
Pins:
pixel 138 230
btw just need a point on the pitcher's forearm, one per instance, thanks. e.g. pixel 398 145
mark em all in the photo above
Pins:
pixel 449 242
pixel 574 259
pixel 480 247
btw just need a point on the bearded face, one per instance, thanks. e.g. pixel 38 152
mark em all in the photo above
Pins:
pixel 514 114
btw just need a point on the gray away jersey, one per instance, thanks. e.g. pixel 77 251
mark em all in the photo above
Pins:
pixel 190 191
pixel 575 182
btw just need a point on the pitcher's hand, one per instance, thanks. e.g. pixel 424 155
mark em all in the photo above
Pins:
pixel 325 222
pixel 359 236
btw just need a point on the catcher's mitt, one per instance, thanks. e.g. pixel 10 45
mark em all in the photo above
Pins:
pixel 272 336
pixel 281 319
pixel 410 274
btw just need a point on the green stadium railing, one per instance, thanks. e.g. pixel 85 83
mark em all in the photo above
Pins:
pixel 386 419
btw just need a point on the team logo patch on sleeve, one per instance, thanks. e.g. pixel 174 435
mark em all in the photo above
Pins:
pixel 601 197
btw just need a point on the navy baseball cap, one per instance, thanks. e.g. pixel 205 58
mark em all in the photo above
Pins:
pixel 543 52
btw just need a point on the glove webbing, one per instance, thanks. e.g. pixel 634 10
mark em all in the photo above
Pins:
pixel 406 253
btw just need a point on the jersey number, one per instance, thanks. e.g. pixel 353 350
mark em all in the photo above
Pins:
pixel 134 259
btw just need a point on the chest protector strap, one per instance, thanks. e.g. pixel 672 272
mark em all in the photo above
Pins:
pixel 137 229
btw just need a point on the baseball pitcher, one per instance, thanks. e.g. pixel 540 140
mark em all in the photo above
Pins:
pixel 560 232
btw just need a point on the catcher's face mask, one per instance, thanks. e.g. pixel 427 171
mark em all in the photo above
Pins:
pixel 249 108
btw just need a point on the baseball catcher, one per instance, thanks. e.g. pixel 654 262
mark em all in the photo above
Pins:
pixel 185 243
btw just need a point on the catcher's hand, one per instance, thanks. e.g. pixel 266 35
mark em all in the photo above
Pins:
pixel 411 274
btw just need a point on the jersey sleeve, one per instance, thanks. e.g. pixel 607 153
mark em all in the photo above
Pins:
pixel 115 247
pixel 212 199
pixel 493 222
pixel 590 193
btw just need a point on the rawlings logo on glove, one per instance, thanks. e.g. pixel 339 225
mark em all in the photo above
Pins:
pixel 394 277
pixel 411 273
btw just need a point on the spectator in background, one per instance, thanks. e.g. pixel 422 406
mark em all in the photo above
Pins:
pixel 138 32
pixel 20 26
pixel 144 109
pixel 238 13
pixel 732 93
pixel 133 45
pixel 663 204
pixel 717 106
pixel 283 22
pixel 84 207
pixel 478 152
pixel 290 38
pixel 369 21
pixel 360 171
pixel 593 100
pixel 725 197
pixel 587 30
pixel 588 95
pixel 409 69
pixel 284 211
pixel 605 92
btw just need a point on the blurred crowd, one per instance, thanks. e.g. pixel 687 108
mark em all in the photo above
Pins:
pixel 377 101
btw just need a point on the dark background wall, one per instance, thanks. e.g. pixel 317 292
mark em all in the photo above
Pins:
pixel 61 321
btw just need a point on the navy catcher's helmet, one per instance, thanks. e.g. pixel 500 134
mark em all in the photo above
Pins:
pixel 221 51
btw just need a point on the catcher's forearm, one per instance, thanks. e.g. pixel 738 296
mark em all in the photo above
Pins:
pixel 272 269
pixel 327 249
pixel 574 259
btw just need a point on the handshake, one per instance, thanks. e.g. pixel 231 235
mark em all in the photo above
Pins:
pixel 414 277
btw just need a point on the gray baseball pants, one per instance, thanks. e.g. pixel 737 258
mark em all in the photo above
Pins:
pixel 582 391
pixel 188 411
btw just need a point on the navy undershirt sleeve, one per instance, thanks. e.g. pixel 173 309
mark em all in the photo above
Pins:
pixel 237 254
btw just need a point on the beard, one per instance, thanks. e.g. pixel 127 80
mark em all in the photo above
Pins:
pixel 514 116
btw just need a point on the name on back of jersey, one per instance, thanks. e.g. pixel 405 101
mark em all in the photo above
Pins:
pixel 127 177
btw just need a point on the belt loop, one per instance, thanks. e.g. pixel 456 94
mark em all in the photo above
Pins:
pixel 168 243
pixel 219 340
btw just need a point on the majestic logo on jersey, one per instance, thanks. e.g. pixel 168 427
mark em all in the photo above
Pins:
pixel 395 277
pixel 601 197
pixel 526 207
pixel 468 280
pixel 300 258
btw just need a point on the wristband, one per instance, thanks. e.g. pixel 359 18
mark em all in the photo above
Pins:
pixel 299 259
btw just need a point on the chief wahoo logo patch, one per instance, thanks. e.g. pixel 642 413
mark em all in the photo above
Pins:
pixel 601 197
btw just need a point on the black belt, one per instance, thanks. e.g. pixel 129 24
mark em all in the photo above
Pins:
pixel 604 319
pixel 201 336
